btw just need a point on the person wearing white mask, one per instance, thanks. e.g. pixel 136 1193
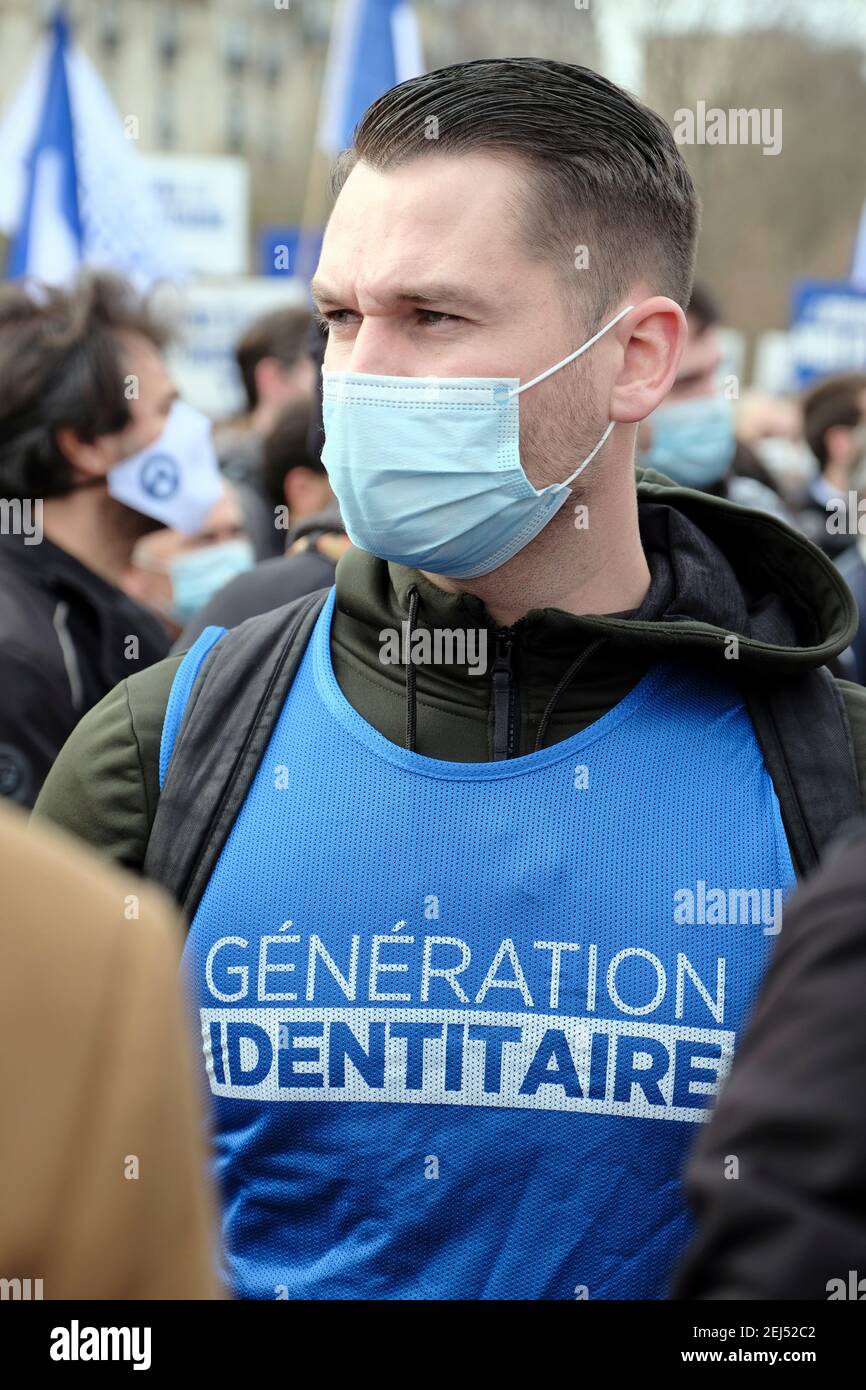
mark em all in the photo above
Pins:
pixel 96 450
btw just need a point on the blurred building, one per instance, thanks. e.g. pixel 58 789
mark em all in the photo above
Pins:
pixel 243 77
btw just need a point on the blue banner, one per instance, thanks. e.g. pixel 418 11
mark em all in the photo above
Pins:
pixel 828 329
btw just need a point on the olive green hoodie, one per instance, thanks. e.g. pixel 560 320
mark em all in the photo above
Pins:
pixel 729 586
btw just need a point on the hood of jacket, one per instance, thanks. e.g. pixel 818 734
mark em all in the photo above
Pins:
pixel 736 571
pixel 717 570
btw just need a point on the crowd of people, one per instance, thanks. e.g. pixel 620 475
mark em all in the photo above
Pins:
pixel 192 686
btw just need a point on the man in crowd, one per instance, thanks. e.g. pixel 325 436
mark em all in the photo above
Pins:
pixel 277 374
pixel 85 399
pixel 463 840
pixel 691 437
pixel 297 485
pixel 176 575
pixel 834 414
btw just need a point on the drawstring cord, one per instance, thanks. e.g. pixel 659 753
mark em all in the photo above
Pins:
pixel 567 678
pixel 411 707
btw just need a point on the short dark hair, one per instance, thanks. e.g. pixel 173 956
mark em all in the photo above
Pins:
pixel 285 448
pixel 279 334
pixel 835 401
pixel 606 170
pixel 61 366
pixel 704 307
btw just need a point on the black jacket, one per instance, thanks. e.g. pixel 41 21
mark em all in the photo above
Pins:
pixel 791 1216
pixel 66 638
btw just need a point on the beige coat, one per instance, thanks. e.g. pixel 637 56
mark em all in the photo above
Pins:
pixel 102 1151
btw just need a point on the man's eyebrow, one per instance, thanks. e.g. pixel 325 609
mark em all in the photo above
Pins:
pixel 440 293
pixel 434 293
pixel 322 293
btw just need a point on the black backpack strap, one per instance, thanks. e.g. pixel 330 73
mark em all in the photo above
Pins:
pixel 232 709
pixel 802 727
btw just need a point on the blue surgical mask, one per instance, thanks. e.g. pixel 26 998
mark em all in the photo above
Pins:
pixel 692 442
pixel 427 470
pixel 199 574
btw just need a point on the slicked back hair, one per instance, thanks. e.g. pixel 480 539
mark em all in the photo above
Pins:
pixel 605 171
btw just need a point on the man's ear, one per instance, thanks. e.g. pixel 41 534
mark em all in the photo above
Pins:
pixel 653 337
pixel 87 460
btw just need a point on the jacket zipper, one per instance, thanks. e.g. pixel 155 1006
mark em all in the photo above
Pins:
pixel 504 695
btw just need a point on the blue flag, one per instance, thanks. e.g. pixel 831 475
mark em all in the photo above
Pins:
pixel 374 45
pixel 49 240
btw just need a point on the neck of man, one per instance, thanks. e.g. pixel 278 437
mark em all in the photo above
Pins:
pixel 597 567
pixel 95 529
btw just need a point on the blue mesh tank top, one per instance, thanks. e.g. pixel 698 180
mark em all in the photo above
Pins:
pixel 461 1021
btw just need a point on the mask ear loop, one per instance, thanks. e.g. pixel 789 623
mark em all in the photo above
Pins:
pixel 589 458
pixel 516 390
pixel 555 368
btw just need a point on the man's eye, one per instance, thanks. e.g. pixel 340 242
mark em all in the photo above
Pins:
pixel 433 316
pixel 332 318
pixel 340 318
